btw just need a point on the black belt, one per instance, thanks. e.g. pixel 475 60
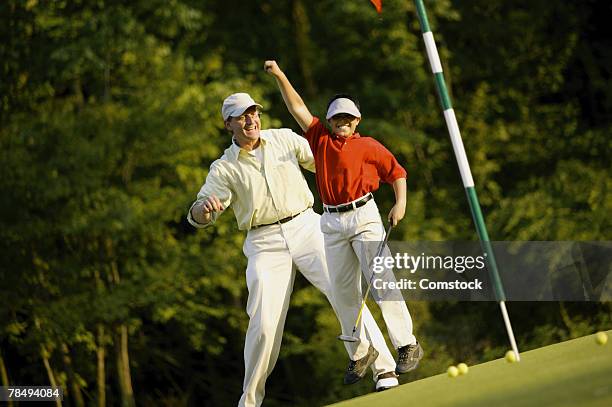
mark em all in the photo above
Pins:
pixel 283 220
pixel 349 206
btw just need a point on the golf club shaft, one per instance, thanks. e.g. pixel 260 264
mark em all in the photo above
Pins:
pixel 363 302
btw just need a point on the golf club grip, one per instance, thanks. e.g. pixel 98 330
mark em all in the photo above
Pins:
pixel 387 234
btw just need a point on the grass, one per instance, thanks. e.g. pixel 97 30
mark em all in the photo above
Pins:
pixel 572 373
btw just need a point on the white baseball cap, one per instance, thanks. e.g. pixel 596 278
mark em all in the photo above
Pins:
pixel 236 104
pixel 342 105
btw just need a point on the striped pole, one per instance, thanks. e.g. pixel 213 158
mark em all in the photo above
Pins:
pixel 464 167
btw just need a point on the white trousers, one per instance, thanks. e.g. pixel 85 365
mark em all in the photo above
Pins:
pixel 273 253
pixel 351 242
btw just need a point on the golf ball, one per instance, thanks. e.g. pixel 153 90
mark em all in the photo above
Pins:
pixel 601 338
pixel 463 368
pixel 510 356
pixel 452 371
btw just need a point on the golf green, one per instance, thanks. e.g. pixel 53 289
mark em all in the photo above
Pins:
pixel 572 373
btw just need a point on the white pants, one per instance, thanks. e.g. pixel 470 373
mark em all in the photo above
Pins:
pixel 351 241
pixel 273 252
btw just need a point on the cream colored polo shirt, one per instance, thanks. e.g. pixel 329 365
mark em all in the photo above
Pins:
pixel 261 193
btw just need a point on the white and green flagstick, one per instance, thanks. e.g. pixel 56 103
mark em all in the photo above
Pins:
pixel 464 167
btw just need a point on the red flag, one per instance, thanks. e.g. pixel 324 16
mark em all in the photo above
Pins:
pixel 378 5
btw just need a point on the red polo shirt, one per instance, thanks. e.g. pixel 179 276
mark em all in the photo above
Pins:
pixel 348 168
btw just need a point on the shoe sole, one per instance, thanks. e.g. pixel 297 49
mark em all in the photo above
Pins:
pixel 422 353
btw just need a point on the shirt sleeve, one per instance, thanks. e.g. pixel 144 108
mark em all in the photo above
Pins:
pixel 313 133
pixel 302 151
pixel 389 170
pixel 216 185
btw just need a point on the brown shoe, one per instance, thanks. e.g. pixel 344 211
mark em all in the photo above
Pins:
pixel 408 358
pixel 357 368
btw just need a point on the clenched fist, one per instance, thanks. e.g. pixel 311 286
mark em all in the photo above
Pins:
pixel 272 68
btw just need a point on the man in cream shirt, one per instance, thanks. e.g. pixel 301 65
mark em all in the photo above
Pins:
pixel 259 177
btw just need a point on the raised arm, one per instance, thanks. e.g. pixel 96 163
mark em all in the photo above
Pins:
pixel 292 99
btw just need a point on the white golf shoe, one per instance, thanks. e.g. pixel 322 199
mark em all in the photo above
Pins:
pixel 386 381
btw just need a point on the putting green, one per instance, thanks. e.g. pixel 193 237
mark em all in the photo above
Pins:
pixel 572 373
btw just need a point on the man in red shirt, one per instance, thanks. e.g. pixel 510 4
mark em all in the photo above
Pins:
pixel 349 168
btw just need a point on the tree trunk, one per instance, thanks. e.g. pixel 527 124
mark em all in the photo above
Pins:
pixel 123 367
pixel 4 377
pixel 121 341
pixel 44 354
pixel 101 372
pixel 303 46
pixel 100 347
pixel 45 358
pixel 75 387
pixel 77 88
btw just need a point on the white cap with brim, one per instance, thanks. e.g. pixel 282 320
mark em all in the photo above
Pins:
pixel 342 105
pixel 236 104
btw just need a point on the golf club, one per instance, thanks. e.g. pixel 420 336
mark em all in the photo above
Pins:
pixel 351 337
